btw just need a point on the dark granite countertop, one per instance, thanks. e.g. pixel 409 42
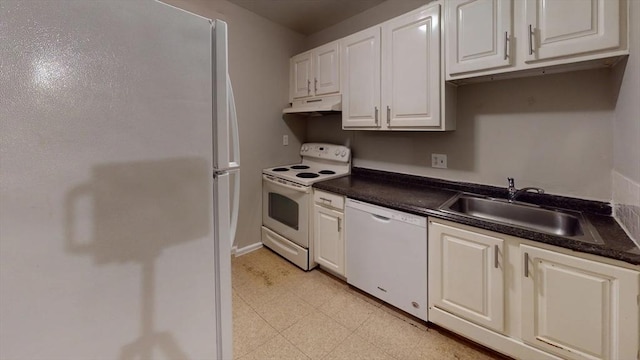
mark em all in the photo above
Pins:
pixel 423 196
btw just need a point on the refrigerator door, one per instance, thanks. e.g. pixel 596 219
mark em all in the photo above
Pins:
pixel 223 232
pixel 114 236
pixel 225 129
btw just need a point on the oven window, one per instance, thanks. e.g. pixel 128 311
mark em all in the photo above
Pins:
pixel 283 209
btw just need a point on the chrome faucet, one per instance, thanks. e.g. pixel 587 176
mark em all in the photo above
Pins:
pixel 514 193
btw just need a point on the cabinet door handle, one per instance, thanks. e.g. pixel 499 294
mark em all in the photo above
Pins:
pixel 388 116
pixel 530 39
pixel 376 116
pixel 496 252
pixel 308 87
pixel 315 85
pixel 339 224
pixel 526 264
pixel 506 45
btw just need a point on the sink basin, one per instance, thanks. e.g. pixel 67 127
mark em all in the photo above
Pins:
pixel 563 223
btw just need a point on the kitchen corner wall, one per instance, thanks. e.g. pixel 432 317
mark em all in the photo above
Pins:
pixel 626 134
pixel 259 52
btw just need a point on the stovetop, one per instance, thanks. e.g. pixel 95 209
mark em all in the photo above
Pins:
pixel 319 162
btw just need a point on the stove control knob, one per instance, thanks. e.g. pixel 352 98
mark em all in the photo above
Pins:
pixel 343 153
pixel 305 148
pixel 337 152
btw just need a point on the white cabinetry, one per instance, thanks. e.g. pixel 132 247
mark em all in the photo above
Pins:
pixel 517 38
pixel 361 79
pixel 300 68
pixel 571 27
pixel 392 75
pixel 315 72
pixel 471 275
pixel 550 302
pixel 577 308
pixel 328 233
pixel 478 34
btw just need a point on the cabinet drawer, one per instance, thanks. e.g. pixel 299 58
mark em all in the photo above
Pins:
pixel 328 199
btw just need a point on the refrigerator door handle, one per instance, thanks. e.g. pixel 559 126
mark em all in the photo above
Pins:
pixel 234 162
pixel 235 205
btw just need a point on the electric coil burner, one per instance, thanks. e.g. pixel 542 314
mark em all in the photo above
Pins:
pixel 319 162
pixel 287 199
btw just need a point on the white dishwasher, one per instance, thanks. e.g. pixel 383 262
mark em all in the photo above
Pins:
pixel 387 255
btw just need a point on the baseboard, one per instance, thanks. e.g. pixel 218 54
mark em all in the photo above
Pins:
pixel 245 250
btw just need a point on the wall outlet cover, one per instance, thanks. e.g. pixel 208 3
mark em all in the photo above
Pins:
pixel 439 161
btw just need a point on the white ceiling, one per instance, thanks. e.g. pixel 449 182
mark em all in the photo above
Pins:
pixel 307 16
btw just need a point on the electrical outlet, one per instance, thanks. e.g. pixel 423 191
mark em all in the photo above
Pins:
pixel 285 140
pixel 439 161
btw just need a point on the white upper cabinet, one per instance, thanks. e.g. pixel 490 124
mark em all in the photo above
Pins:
pixel 577 308
pixel 300 68
pixel 506 38
pixel 361 79
pixel 326 66
pixel 392 75
pixel 315 72
pixel 478 34
pixel 411 69
pixel 568 27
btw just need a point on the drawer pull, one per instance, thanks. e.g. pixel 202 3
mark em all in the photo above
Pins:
pixel 530 39
pixel 526 264
pixel 325 199
pixel 506 45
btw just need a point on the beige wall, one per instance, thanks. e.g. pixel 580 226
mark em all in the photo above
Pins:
pixel 259 52
pixel 626 135
pixel 385 11
pixel 552 132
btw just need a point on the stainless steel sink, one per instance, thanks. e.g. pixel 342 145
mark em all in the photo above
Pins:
pixel 569 224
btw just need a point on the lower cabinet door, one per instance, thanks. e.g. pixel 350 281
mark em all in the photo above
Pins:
pixel 328 239
pixel 466 274
pixel 577 308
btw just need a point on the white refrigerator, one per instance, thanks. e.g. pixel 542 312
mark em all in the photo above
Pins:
pixel 119 170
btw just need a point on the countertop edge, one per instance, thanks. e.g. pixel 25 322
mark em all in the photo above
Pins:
pixel 578 246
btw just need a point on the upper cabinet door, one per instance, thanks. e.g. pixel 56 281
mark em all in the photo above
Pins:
pixel 478 34
pixel 558 28
pixel 326 69
pixel 300 76
pixel 411 70
pixel 360 64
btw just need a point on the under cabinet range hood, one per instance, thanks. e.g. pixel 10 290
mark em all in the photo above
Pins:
pixel 315 105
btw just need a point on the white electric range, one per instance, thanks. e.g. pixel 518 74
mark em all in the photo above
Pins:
pixel 287 199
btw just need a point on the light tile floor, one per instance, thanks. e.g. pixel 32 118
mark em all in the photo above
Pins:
pixel 282 312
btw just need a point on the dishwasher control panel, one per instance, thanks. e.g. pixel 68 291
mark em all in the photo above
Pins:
pixel 382 213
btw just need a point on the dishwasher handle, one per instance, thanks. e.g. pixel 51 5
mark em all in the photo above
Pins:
pixel 380 218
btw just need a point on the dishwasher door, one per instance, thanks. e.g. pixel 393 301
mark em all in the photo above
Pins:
pixel 387 255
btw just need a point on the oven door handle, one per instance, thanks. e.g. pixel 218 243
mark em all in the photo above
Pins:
pixel 305 189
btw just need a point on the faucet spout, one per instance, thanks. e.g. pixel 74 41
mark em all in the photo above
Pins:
pixel 514 193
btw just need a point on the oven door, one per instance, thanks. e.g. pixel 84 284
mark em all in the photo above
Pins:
pixel 285 209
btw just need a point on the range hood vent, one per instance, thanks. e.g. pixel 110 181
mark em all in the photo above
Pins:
pixel 316 105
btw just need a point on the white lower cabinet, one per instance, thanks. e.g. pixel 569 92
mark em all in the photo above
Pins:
pixel 471 276
pixel 577 308
pixel 328 233
pixel 530 300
